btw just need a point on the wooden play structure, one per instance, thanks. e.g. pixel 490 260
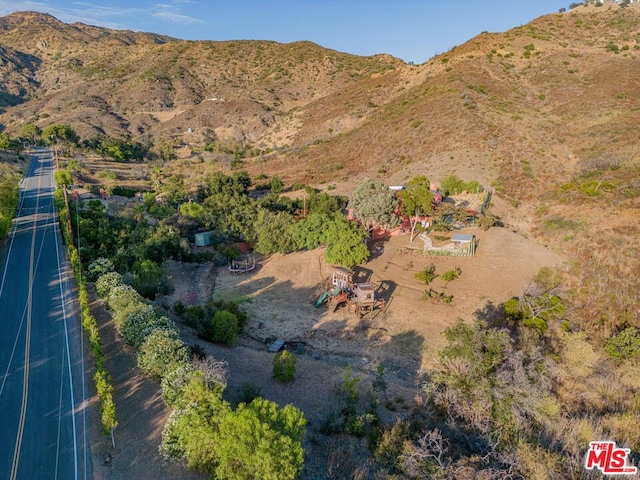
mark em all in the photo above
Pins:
pixel 359 298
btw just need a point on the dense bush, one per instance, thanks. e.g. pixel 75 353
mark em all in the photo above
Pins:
pixel 173 383
pixel 624 345
pixel 108 282
pixel 161 353
pixel 284 366
pixel 124 300
pixel 452 185
pixel 99 267
pixel 224 328
pixel 427 274
pixel 151 280
pixel 141 323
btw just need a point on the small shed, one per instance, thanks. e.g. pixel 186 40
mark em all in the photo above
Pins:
pixel 204 239
pixel 464 242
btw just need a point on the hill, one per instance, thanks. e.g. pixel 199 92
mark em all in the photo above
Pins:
pixel 545 114
pixel 534 94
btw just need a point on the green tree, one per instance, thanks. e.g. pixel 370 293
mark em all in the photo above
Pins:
pixel 193 210
pixel 321 202
pixel 284 366
pixel 30 132
pixel 5 142
pixel 260 441
pixel 9 195
pixel 228 207
pixel 427 274
pixel 374 204
pixel 162 244
pixel 190 432
pixel 63 177
pixel 57 133
pixel 308 233
pixel 452 185
pixel 273 232
pixel 174 190
pixel 539 304
pixel 416 200
pixel 277 185
pixel 156 177
pixel 150 279
pixel 345 242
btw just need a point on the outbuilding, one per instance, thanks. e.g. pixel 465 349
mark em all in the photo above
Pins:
pixel 464 242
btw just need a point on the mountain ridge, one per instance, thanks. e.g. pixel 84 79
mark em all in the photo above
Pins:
pixel 497 96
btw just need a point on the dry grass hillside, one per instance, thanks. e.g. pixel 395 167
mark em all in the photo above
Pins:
pixel 550 93
pixel 545 114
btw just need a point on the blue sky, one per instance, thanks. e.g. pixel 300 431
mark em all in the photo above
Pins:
pixel 413 30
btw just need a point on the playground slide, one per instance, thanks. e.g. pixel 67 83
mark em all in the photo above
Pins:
pixel 321 300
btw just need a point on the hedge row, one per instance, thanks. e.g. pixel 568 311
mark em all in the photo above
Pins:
pixel 144 327
pixel 101 378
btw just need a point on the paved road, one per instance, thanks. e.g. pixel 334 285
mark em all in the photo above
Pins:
pixel 43 386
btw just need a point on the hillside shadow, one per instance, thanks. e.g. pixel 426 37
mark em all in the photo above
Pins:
pixel 21 61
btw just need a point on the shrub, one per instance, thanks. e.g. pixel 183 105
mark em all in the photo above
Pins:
pixel 260 434
pixel 624 345
pixel 150 279
pixel 162 353
pixel 224 328
pixel 108 282
pixel 450 275
pixel 179 307
pixel 193 315
pixel 5 225
pixel 284 366
pixel 277 185
pixel 122 296
pixel 248 392
pixel 99 267
pixel 141 323
pixel 427 275
pixel 123 300
pixel 173 383
pixel 537 322
pixel 233 307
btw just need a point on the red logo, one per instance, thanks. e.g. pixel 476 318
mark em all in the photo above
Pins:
pixel 609 459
